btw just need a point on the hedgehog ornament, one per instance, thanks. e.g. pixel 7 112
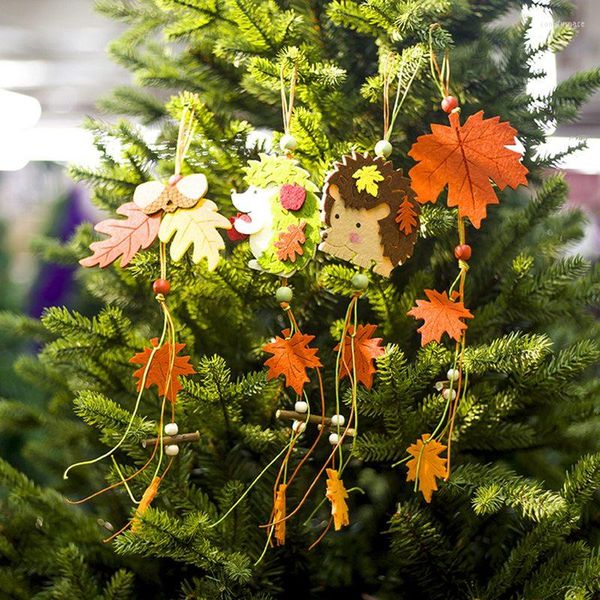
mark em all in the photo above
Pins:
pixel 279 211
pixel 370 213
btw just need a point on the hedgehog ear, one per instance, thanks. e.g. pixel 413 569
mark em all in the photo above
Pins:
pixel 380 212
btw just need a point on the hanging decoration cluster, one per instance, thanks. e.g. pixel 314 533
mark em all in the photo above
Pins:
pixel 369 212
pixel 466 159
pixel 179 212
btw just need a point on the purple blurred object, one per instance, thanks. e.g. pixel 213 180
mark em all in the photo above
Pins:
pixel 54 282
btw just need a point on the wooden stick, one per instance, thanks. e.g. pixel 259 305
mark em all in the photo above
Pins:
pixel 173 439
pixel 291 415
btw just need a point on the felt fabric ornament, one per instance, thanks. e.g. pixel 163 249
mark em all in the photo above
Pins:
pixel 292 356
pixel 441 315
pixel 465 158
pixel 279 515
pixel 360 352
pixel 426 464
pixel 280 207
pixel 180 192
pixel 145 503
pixel 362 199
pixel 337 495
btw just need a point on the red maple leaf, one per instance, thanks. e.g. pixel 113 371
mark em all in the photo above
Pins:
pixel 366 350
pixel 160 372
pixel 406 217
pixel 290 242
pixel 441 315
pixel 465 157
pixel 291 357
pixel 127 236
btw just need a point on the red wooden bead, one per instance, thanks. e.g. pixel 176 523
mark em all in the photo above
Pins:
pixel 463 252
pixel 449 103
pixel 161 286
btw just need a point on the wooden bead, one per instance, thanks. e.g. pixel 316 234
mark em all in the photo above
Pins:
pixel 462 252
pixel 449 103
pixel 161 286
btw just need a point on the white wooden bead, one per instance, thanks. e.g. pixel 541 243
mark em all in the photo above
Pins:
pixel 298 426
pixel 334 439
pixel 171 429
pixel 448 394
pixel 172 450
pixel 453 375
pixel 301 406
pixel 338 420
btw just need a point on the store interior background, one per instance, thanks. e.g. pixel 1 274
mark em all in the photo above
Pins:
pixel 55 52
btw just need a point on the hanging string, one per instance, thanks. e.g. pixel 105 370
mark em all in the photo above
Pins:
pixel 287 101
pixel 187 128
pixel 441 76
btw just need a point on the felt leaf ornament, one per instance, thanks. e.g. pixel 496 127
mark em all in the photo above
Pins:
pixel 426 464
pixel 181 192
pixel 337 494
pixel 366 350
pixel 465 158
pixel 127 236
pixel 367 179
pixel 441 315
pixel 160 372
pixel 291 357
pixel 195 227
pixel 406 217
pixel 290 242
pixel 279 515
pixel 145 502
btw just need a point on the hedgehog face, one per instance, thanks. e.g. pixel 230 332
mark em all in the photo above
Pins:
pixel 354 233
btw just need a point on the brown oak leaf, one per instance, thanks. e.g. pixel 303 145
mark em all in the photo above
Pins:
pixel 158 373
pixel 406 217
pixel 291 357
pixel 426 464
pixel 465 158
pixel 441 315
pixel 127 236
pixel 337 494
pixel 289 244
pixel 366 350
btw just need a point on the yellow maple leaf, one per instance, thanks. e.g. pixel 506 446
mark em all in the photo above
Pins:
pixel 367 178
pixel 279 515
pixel 426 464
pixel 337 494
pixel 198 227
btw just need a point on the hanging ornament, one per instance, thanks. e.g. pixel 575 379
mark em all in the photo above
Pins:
pixel 369 208
pixel 177 212
pixel 279 211
pixel 466 159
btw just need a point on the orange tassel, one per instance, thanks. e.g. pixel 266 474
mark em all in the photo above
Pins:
pixel 145 502
pixel 279 515
pixel 337 494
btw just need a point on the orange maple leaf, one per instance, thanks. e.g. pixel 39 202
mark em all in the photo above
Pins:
pixel 441 315
pixel 291 357
pixel 426 464
pixel 290 242
pixel 158 373
pixel 465 157
pixel 406 217
pixel 366 350
pixel 337 494
pixel 127 236
pixel 279 515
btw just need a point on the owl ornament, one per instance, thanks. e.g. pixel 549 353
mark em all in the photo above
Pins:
pixel 370 213
pixel 279 212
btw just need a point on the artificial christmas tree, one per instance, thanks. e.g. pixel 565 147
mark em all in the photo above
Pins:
pixel 518 518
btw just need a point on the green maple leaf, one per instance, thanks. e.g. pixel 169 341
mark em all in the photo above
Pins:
pixel 367 178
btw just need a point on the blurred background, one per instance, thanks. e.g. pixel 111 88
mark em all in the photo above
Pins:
pixel 53 68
